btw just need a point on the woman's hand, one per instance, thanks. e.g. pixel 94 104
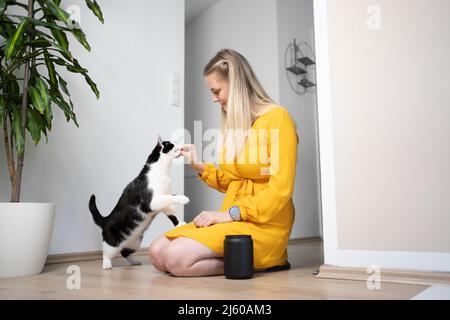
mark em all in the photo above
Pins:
pixel 209 218
pixel 188 151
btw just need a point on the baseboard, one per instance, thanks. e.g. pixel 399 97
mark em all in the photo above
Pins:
pixel 306 239
pixel 96 255
pixel 83 256
pixel 389 276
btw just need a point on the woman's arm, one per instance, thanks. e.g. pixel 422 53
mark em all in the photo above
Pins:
pixel 215 178
pixel 208 173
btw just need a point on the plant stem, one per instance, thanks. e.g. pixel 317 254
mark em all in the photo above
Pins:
pixel 17 181
pixel 8 150
pixel 11 144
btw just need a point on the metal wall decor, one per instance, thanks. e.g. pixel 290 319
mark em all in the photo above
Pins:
pixel 300 66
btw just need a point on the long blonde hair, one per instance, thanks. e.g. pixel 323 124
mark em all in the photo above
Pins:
pixel 247 98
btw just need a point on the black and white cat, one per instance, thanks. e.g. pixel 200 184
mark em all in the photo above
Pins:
pixel 146 196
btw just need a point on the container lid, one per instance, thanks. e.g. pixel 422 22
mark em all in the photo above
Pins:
pixel 238 236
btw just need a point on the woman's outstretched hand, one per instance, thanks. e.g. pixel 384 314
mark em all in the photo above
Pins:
pixel 188 151
pixel 209 218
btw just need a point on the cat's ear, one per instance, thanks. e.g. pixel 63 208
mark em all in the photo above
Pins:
pixel 160 140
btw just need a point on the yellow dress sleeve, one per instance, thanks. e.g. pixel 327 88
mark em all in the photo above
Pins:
pixel 264 205
pixel 215 178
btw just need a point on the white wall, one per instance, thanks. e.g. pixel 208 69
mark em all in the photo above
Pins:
pixel 132 55
pixel 248 27
pixel 385 132
pixel 260 30
pixel 296 20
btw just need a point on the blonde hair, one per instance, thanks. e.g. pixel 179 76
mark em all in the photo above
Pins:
pixel 247 98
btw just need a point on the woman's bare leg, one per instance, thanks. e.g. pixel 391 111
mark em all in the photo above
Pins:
pixel 155 253
pixel 206 267
pixel 185 257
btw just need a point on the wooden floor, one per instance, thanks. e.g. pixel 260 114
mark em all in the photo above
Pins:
pixel 144 282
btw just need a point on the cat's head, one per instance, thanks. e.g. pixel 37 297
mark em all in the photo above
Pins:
pixel 165 151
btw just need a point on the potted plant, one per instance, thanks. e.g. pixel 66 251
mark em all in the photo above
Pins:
pixel 34 48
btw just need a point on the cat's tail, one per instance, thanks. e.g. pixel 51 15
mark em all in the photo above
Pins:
pixel 98 218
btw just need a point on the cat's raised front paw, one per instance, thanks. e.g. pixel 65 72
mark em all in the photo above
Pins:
pixel 182 199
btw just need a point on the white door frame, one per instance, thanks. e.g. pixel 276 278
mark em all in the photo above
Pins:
pixel 424 261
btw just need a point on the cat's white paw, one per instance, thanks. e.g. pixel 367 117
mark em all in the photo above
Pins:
pixel 107 264
pixel 182 199
pixel 181 223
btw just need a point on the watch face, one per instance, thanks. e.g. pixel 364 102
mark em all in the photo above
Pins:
pixel 235 212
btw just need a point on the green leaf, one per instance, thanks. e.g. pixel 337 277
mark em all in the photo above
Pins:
pixel 51 26
pixel 74 117
pixel 48 116
pixel 43 90
pixel 17 133
pixel 75 69
pixel 55 45
pixel 81 37
pixel 17 37
pixel 59 35
pixel 25 59
pixel 66 54
pixel 92 85
pixel 36 99
pixel 95 8
pixel 40 43
pixel 39 23
pixel 59 61
pixel 2 6
pixel 6 27
pixel 63 85
pixel 59 13
pixel 40 97
pixel 12 89
pixel 64 107
pixel 35 124
pixel 43 34
pixel 51 71
pixel 61 38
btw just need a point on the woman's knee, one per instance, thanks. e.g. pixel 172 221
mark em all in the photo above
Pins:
pixel 155 253
pixel 175 261
pixel 182 253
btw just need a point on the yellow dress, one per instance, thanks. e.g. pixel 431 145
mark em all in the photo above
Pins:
pixel 261 187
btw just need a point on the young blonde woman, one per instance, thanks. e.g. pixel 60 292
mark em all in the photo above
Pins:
pixel 258 193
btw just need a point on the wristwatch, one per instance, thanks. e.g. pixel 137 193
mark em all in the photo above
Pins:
pixel 235 213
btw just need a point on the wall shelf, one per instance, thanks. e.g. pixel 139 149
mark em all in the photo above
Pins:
pixel 299 66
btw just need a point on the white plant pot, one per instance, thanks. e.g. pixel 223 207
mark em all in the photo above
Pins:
pixel 25 233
